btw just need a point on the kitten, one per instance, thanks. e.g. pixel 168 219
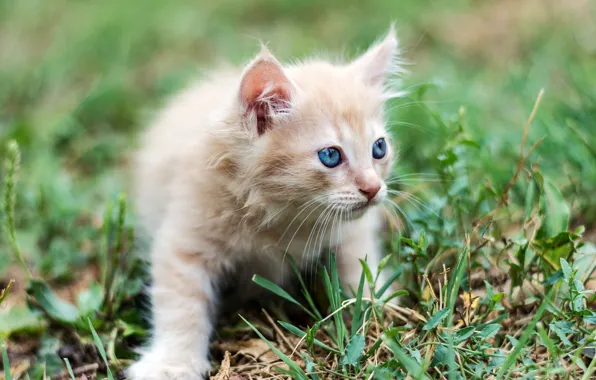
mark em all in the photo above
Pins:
pixel 253 165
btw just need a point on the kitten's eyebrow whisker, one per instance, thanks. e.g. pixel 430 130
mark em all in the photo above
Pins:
pixel 411 125
pixel 422 174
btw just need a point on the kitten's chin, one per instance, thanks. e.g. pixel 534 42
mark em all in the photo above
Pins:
pixel 359 210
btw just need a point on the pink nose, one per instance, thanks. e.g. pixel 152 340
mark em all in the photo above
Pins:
pixel 370 190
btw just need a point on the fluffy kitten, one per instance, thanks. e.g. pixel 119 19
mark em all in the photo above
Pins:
pixel 249 166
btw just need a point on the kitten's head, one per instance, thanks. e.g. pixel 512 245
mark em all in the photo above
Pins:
pixel 318 137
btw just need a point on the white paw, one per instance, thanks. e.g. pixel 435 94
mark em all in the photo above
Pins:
pixel 158 367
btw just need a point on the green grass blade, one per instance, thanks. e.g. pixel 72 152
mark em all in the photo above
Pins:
pixel 7 375
pixel 334 295
pixel 357 316
pixel 410 365
pixel 4 293
pixel 276 289
pixel 514 354
pixel 455 281
pixel 101 349
pixel 550 346
pixel 12 165
pixel 296 370
pixel 305 291
pixel 394 276
pixel 69 368
pixel 301 334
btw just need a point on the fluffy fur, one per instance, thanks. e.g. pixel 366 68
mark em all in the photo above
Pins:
pixel 229 176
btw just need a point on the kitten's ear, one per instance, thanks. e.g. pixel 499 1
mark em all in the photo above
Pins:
pixel 265 90
pixel 380 61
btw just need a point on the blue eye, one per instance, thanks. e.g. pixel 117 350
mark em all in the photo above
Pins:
pixel 379 148
pixel 330 157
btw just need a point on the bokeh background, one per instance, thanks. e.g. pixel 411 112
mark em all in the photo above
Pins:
pixel 80 79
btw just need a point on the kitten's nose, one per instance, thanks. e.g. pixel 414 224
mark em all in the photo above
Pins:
pixel 368 183
pixel 370 190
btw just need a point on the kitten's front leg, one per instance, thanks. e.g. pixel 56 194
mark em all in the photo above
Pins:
pixel 182 297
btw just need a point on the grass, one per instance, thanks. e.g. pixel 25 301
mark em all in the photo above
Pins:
pixel 496 178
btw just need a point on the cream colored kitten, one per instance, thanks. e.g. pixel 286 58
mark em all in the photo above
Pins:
pixel 252 165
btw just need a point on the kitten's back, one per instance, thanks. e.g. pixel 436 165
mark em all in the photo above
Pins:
pixel 180 142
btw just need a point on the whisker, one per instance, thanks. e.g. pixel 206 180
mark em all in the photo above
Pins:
pixel 401 211
pixel 412 198
pixel 306 252
pixel 411 125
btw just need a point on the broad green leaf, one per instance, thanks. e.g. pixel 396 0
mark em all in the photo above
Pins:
pixel 590 319
pixel 489 331
pixel 562 329
pixel 566 268
pixel 435 319
pixel 578 303
pixel 354 350
pixel 556 209
pixel 89 301
pixel 463 334
pixel 59 309
pixel 440 356
pixel 19 318
pixel 554 278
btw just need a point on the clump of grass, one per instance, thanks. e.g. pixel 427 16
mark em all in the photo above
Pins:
pixel 12 164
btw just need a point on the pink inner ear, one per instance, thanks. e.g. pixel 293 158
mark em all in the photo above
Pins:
pixel 264 89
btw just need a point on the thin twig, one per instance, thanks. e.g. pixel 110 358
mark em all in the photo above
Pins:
pixel 277 329
pixel 520 163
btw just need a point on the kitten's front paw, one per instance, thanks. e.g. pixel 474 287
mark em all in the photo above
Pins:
pixel 158 367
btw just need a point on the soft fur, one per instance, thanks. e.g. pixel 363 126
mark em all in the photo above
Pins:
pixel 229 177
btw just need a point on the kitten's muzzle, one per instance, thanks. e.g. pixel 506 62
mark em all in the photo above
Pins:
pixel 368 183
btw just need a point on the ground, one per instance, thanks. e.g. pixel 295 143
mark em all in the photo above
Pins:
pixel 494 251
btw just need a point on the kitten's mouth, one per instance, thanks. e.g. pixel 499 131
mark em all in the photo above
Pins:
pixel 364 206
pixel 360 207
